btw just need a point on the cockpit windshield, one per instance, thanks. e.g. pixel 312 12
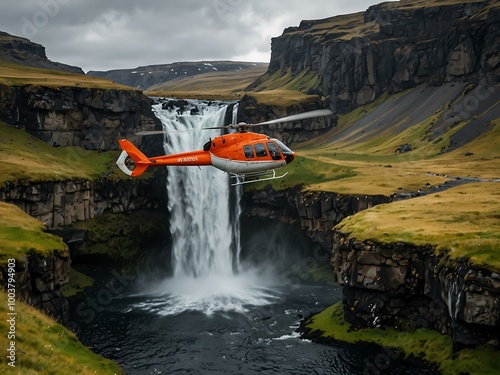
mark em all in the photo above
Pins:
pixel 284 149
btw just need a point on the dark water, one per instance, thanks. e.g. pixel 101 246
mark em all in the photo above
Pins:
pixel 134 332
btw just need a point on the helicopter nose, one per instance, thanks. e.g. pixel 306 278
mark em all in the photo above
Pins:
pixel 289 157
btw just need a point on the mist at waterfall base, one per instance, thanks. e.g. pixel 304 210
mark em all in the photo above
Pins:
pixel 234 296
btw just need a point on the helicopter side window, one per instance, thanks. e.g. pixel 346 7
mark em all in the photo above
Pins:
pixel 248 151
pixel 273 150
pixel 260 150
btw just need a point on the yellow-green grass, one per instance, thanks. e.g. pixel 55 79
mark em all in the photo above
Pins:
pixel 46 347
pixel 282 98
pixel 464 220
pixel 429 345
pixel 213 85
pixel 21 234
pixel 26 158
pixel 284 80
pixel 379 170
pixel 20 75
pixel 304 171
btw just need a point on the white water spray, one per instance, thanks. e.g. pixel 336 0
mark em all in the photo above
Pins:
pixel 204 226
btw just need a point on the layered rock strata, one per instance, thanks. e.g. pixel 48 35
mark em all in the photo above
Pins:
pixel 391 47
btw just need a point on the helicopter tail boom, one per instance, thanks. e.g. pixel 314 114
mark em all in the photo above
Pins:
pixel 141 161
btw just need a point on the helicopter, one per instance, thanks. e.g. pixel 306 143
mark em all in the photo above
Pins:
pixel 246 156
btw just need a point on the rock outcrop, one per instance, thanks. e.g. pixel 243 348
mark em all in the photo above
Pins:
pixel 250 111
pixel 62 203
pixel 318 212
pixel 401 284
pixel 38 282
pixel 70 116
pixel 25 52
pixel 391 47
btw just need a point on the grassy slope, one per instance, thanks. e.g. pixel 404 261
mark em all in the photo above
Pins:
pixel 427 344
pixel 213 85
pixel 464 219
pixel 45 347
pixel 18 75
pixel 26 158
pixel 21 234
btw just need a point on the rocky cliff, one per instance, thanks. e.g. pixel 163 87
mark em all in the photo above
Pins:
pixel 391 284
pixel 38 281
pixel 391 47
pixel 402 284
pixel 22 51
pixel 61 203
pixel 70 116
pixel 251 111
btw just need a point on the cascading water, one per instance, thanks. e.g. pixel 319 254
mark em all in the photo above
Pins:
pixel 198 197
pixel 204 225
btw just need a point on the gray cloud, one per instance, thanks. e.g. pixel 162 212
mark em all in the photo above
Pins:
pixel 113 34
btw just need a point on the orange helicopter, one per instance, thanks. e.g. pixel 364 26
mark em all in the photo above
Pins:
pixel 243 154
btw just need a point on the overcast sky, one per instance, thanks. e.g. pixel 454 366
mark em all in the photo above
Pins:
pixel 115 34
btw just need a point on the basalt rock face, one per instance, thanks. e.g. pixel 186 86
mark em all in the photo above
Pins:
pixel 318 212
pixel 250 111
pixel 39 280
pixel 90 118
pixel 402 284
pixel 392 47
pixel 64 202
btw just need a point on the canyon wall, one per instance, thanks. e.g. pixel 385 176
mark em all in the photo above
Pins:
pixel 393 284
pixel 390 48
pixel 60 203
pixel 400 284
pixel 93 119
pixel 251 111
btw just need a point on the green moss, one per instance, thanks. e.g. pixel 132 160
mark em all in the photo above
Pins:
pixel 121 236
pixel 77 283
pixel 284 80
pixel 427 344
pixel 45 347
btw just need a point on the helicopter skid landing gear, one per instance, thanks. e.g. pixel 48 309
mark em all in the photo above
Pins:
pixel 248 178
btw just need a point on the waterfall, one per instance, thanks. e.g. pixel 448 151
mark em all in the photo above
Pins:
pixel 198 198
pixel 204 225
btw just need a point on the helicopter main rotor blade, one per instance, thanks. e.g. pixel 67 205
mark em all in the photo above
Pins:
pixel 154 132
pixel 299 116
pixel 218 127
